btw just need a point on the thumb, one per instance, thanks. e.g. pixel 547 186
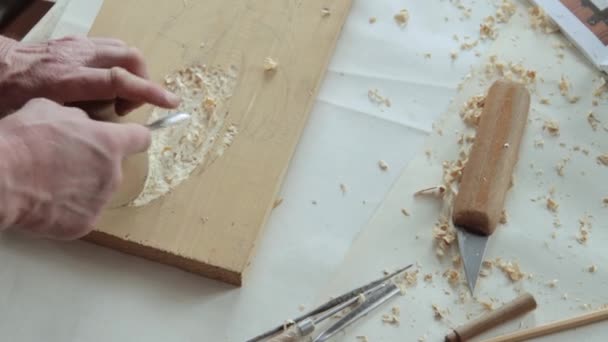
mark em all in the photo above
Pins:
pixel 130 137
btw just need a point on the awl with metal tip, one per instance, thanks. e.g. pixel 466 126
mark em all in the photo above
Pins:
pixel 488 171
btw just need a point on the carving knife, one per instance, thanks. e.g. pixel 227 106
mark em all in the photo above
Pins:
pixel 487 174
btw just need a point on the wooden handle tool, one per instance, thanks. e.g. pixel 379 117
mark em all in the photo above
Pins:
pixel 517 307
pixel 487 174
pixel 551 328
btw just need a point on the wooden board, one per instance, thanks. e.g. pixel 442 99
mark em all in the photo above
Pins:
pixel 236 192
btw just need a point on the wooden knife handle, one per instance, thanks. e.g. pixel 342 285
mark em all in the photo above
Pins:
pixel 517 307
pixel 487 174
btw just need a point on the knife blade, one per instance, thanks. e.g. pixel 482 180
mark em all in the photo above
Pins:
pixel 487 175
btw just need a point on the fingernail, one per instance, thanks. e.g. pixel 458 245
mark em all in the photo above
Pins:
pixel 172 98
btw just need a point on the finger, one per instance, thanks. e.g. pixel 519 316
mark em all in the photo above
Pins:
pixel 130 138
pixel 108 84
pixel 99 41
pixel 123 107
pixel 127 58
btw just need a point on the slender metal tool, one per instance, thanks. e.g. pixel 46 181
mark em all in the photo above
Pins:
pixel 376 299
pixel 487 176
pixel 169 120
pixel 348 297
pixel 307 326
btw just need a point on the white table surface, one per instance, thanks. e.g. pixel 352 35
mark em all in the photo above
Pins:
pixel 79 292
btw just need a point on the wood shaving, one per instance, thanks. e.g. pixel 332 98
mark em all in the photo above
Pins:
pixel 453 55
pixel 374 96
pixel 468 45
pixel 438 313
pixel 325 12
pixel 601 89
pixel 510 269
pixel 390 319
pixel 444 236
pixel 343 188
pixel 552 283
pixel 405 212
pixel 552 127
pixel 383 165
pixel 301 307
pixel 593 121
pixel 422 339
pixel 603 159
pixel 559 168
pixel 270 64
pixel 402 17
pixel 372 20
pixel 362 338
pixel 503 217
pixel 545 101
pixel 564 296
pixel 540 21
pixel 457 260
pixel 564 86
pixel 427 55
pixel 438 190
pixel 453 277
pixel 486 304
pixel 583 230
pixel 277 203
pixel 552 205
pixel 539 143
pixel 605 201
pixel 592 269
pixel 428 277
pixel 396 311
pixel 361 298
pixel 409 279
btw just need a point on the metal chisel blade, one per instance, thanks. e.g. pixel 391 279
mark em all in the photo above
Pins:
pixel 472 248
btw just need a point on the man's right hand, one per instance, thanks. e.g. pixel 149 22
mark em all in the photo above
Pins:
pixel 58 168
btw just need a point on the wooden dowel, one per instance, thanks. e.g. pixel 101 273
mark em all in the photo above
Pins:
pixel 552 328
pixel 516 307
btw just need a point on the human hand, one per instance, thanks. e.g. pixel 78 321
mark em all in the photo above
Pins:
pixel 59 168
pixel 77 70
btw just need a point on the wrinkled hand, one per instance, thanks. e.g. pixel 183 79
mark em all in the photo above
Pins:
pixel 59 168
pixel 77 69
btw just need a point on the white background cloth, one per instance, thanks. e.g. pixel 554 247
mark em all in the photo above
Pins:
pixel 80 292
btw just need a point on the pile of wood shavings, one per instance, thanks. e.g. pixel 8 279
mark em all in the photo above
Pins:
pixel 444 235
pixel 471 110
pixel 176 151
pixel 509 70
